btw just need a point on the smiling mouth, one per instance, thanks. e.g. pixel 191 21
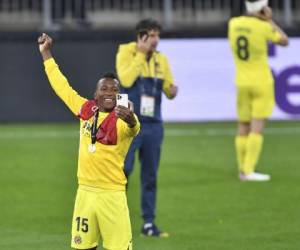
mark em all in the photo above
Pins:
pixel 108 100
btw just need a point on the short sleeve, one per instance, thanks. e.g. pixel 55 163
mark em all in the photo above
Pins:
pixel 272 34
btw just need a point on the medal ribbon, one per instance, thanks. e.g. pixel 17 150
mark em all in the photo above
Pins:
pixel 94 127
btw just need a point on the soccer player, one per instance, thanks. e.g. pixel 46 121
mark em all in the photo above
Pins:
pixel 249 36
pixel 145 74
pixel 106 132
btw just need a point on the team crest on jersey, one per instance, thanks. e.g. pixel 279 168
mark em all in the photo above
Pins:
pixel 77 240
pixel 86 128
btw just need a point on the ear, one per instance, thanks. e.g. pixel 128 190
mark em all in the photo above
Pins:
pixel 95 94
pixel 96 90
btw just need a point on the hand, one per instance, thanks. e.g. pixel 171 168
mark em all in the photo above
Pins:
pixel 45 43
pixel 266 13
pixel 131 105
pixel 143 44
pixel 173 90
pixel 126 115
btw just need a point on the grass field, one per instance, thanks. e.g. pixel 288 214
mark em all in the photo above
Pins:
pixel 200 201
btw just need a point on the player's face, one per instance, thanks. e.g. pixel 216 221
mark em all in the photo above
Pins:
pixel 153 39
pixel 105 94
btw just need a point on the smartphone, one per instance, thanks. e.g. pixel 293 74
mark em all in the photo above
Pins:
pixel 122 100
pixel 143 33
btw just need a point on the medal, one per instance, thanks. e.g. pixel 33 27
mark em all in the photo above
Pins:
pixel 92 148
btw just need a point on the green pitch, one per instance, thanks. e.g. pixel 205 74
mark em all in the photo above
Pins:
pixel 201 203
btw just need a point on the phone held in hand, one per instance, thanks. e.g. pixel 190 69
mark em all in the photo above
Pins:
pixel 142 34
pixel 122 100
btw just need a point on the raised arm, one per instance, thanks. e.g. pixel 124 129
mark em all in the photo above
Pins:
pixel 130 59
pixel 57 80
pixel 267 15
pixel 45 44
pixel 129 66
pixel 127 115
pixel 284 40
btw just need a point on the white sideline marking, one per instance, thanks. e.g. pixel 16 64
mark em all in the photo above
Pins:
pixel 57 134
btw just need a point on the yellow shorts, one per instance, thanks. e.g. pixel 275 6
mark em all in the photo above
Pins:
pixel 255 102
pixel 101 214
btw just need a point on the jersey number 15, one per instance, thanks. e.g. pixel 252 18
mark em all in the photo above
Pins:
pixel 82 224
pixel 242 48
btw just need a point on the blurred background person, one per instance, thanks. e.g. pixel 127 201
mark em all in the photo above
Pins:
pixel 249 36
pixel 145 74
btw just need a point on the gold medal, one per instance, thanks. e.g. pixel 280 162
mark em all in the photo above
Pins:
pixel 92 148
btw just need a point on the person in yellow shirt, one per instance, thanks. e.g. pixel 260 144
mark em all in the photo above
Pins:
pixel 249 36
pixel 106 132
pixel 145 74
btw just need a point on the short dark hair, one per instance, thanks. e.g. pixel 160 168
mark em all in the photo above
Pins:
pixel 146 25
pixel 111 75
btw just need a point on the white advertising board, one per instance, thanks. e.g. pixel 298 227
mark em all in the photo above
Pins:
pixel 204 71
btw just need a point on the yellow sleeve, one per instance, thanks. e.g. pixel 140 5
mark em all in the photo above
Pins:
pixel 62 88
pixel 129 67
pixel 168 78
pixel 272 34
pixel 131 132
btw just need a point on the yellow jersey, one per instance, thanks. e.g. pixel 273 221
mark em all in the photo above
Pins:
pixel 248 37
pixel 103 168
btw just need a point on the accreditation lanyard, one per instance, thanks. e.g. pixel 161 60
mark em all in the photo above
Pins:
pixel 155 79
pixel 147 102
